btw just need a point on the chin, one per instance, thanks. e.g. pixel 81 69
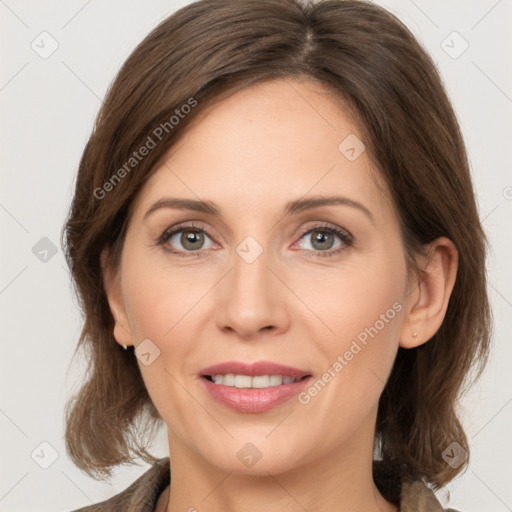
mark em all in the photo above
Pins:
pixel 253 455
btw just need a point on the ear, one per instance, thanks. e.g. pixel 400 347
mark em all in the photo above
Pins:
pixel 429 293
pixel 112 285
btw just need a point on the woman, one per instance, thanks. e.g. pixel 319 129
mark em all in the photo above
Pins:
pixel 274 217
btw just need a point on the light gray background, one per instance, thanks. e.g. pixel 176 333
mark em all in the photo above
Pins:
pixel 48 106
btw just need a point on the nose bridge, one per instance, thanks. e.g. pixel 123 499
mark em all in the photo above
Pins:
pixel 250 270
pixel 250 299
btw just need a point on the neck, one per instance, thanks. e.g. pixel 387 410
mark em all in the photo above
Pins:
pixel 339 481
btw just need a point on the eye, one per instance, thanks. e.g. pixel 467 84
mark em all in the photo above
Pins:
pixel 326 240
pixel 185 239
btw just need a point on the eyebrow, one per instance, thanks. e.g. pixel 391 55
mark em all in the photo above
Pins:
pixel 291 207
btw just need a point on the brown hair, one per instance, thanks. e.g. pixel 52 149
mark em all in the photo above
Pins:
pixel 212 48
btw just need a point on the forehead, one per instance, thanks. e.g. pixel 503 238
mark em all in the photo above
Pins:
pixel 286 137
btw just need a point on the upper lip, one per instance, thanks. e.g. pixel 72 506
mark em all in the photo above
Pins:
pixel 253 369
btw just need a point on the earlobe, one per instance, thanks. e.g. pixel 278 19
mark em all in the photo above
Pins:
pixel 112 286
pixel 430 294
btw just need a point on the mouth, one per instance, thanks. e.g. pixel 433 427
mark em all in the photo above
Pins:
pixel 253 388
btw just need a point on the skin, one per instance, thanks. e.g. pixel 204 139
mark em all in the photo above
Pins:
pixel 250 154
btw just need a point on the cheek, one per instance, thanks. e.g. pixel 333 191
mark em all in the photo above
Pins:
pixel 362 307
pixel 357 364
pixel 167 306
pixel 159 299
pixel 364 293
pixel 163 306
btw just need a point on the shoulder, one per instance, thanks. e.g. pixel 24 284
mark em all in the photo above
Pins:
pixel 141 496
pixel 416 496
pixel 402 486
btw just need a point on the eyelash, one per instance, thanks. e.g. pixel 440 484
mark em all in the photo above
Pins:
pixel 344 236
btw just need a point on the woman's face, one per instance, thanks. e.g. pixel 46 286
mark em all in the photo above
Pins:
pixel 269 277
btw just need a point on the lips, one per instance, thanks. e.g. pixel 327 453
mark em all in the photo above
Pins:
pixel 249 399
pixel 253 369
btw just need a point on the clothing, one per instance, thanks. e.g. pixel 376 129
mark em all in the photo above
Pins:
pixel 142 495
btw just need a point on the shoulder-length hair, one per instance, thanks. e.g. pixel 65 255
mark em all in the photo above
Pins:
pixel 375 66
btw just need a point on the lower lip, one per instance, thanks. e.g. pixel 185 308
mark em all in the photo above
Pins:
pixel 252 400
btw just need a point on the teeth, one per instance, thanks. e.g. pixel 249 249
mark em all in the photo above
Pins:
pixel 246 381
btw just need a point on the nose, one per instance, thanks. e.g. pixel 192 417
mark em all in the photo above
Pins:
pixel 252 298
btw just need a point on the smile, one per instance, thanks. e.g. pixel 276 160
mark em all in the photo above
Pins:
pixel 253 387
